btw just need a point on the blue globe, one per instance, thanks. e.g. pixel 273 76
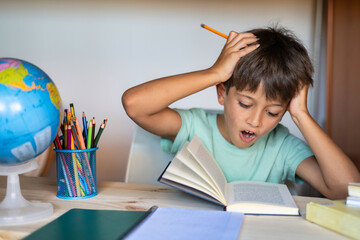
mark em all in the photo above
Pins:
pixel 30 109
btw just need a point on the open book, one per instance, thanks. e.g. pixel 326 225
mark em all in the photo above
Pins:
pixel 195 171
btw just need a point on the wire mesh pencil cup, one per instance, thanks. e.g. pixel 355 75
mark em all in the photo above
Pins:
pixel 76 173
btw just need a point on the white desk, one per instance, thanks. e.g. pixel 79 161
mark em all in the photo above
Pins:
pixel 125 196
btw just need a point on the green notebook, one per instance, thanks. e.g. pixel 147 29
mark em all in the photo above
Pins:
pixel 89 224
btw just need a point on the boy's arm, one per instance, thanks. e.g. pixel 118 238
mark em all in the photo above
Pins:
pixel 330 170
pixel 147 104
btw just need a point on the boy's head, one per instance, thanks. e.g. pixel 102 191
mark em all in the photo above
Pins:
pixel 264 81
pixel 280 63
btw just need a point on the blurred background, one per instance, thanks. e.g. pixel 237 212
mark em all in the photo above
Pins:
pixel 95 50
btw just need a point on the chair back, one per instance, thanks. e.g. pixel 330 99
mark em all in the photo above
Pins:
pixel 146 160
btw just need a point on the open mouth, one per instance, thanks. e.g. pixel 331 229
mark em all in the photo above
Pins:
pixel 247 136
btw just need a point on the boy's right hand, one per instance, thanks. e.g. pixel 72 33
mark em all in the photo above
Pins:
pixel 235 48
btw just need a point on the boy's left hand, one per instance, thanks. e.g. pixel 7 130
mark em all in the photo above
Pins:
pixel 298 105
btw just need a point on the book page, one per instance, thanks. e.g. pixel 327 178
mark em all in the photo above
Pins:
pixel 177 171
pixel 259 192
pixel 186 182
pixel 191 191
pixel 187 158
pixel 206 160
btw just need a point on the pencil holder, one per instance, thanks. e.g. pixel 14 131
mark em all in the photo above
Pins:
pixel 76 173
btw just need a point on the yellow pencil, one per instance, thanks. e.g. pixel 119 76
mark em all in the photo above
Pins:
pixel 68 116
pixel 76 176
pixel 214 31
pixel 72 109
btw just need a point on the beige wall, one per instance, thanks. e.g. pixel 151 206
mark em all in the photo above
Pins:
pixel 95 50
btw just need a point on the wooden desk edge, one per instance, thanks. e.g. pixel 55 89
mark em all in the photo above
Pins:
pixel 109 197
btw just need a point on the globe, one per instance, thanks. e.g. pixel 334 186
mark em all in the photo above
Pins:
pixel 30 109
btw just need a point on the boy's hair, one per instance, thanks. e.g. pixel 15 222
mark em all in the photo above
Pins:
pixel 281 63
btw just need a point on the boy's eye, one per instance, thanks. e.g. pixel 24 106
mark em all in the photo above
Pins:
pixel 244 105
pixel 272 114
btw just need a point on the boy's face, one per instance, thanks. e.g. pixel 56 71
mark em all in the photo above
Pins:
pixel 247 115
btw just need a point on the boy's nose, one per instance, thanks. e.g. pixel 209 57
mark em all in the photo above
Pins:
pixel 254 120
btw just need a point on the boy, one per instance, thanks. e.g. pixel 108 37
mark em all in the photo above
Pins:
pixel 259 75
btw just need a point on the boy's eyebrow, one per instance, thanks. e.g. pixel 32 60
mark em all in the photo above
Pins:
pixel 251 98
pixel 277 105
pixel 243 95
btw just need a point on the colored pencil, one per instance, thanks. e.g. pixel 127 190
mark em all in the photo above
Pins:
pixel 81 139
pixel 65 137
pixel 68 137
pixel 81 175
pixel 76 176
pixel 68 116
pixel 98 135
pixel 93 132
pixel 89 135
pixel 75 135
pixel 72 147
pixel 84 126
pixel 214 31
pixel 72 143
pixel 57 141
pixel 65 115
pixel 83 187
pixel 72 109
pixel 65 129
pixel 90 132
pixel 85 161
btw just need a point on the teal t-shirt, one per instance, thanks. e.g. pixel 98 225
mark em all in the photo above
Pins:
pixel 273 158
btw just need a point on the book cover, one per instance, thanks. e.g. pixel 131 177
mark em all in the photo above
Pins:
pixel 195 171
pixel 336 216
pixel 88 224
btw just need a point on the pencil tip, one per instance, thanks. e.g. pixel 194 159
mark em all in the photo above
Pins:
pixel 202 25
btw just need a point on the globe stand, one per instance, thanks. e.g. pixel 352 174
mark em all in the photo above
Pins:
pixel 15 209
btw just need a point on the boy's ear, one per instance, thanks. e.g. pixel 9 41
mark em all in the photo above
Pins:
pixel 221 91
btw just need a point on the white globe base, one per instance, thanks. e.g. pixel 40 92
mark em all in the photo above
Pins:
pixel 15 209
